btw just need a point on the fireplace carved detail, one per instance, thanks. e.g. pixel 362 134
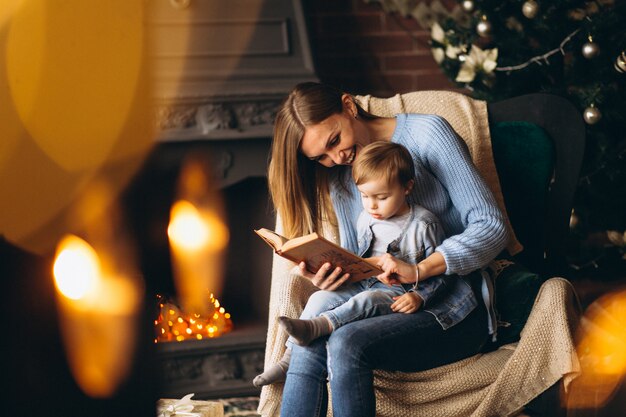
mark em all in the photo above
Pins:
pixel 216 120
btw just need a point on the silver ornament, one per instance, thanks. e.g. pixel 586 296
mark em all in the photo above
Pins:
pixel 620 63
pixel 592 115
pixel 483 28
pixel 590 49
pixel 468 5
pixel 530 9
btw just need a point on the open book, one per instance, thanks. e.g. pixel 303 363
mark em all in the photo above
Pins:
pixel 314 250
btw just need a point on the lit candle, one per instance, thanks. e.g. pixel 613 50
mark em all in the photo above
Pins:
pixel 98 314
pixel 197 238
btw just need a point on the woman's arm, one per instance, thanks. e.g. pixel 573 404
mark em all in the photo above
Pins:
pixel 484 235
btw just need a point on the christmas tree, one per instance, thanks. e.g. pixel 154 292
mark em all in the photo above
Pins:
pixel 573 48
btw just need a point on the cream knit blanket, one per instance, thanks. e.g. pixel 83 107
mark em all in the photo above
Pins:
pixel 495 384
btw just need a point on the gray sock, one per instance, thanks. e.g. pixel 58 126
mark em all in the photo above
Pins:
pixel 275 373
pixel 305 331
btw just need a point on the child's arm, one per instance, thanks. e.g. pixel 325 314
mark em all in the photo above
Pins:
pixel 397 271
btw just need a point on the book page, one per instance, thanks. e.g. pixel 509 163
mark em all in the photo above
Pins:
pixel 272 238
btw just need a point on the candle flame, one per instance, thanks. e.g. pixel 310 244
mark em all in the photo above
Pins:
pixel 187 228
pixel 98 310
pixel 193 230
pixel 76 268
pixel 198 236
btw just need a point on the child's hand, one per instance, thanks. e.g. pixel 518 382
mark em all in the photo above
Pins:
pixel 395 270
pixel 407 303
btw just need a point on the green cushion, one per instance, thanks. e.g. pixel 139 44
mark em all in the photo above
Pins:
pixel 524 157
pixel 516 290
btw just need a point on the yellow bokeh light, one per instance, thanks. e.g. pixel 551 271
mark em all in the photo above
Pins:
pixel 98 310
pixel 75 99
pixel 67 71
pixel 76 268
pixel 601 349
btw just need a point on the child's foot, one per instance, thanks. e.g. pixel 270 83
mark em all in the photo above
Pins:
pixel 275 373
pixel 305 331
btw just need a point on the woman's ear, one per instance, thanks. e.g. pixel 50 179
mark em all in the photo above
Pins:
pixel 348 105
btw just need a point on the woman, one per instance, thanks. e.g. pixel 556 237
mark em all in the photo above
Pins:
pixel 318 132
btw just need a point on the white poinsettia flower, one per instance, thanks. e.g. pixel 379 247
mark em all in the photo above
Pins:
pixel 437 33
pixel 438 55
pixel 477 61
pixel 453 52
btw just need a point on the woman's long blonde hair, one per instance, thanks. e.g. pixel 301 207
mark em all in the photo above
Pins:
pixel 298 186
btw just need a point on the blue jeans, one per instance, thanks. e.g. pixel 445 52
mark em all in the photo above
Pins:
pixel 367 298
pixel 394 342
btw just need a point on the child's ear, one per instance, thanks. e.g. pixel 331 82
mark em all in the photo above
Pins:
pixel 408 187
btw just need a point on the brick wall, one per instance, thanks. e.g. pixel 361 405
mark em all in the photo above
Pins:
pixel 363 50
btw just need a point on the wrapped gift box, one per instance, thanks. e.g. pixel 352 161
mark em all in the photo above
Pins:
pixel 168 408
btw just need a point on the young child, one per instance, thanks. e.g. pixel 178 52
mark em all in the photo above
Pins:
pixel 384 175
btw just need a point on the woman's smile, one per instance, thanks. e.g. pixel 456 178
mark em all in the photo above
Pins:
pixel 350 159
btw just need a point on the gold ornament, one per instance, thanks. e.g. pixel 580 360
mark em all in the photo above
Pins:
pixel 574 220
pixel 590 49
pixel 483 28
pixel 620 63
pixel 530 9
pixel 592 115
pixel 468 6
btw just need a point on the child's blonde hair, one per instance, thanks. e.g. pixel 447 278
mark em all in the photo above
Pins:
pixel 386 160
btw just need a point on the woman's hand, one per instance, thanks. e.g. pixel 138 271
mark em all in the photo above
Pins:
pixel 326 277
pixel 395 270
pixel 407 303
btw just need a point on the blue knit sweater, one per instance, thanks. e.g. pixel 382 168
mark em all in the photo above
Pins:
pixel 447 183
